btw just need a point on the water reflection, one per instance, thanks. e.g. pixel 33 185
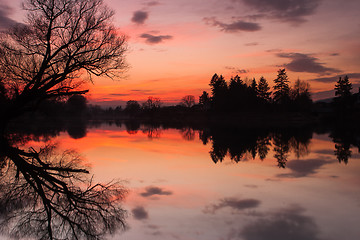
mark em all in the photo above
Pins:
pixel 237 144
pixel 283 224
pixel 241 143
pixel 47 194
pixel 177 190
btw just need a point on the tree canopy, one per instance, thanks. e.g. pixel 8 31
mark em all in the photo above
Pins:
pixel 60 40
pixel 343 87
pixel 281 87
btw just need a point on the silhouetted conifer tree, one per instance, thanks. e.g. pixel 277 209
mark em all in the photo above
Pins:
pixel 254 86
pixel 219 90
pixel 281 88
pixel 344 100
pixel 204 100
pixel 238 93
pixel 263 88
pixel 343 87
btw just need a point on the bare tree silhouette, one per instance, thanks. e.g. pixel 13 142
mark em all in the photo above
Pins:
pixel 188 101
pixel 61 40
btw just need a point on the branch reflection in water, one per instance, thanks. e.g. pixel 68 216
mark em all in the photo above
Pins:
pixel 48 194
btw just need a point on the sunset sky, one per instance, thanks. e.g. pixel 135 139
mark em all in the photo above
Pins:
pixel 175 46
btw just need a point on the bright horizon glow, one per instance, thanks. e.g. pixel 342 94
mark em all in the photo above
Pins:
pixel 176 46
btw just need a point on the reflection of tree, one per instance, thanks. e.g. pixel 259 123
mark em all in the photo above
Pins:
pixel 300 148
pixel 45 195
pixel 132 126
pixel 152 132
pixel 281 149
pixel 263 147
pixel 217 154
pixel 236 143
pixel 344 138
pixel 204 136
pixel 342 152
pixel 188 134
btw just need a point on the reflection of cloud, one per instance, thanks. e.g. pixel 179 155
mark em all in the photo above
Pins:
pixel 139 17
pixel 285 10
pixel 152 3
pixel 140 213
pixel 5 21
pixel 236 26
pixel 325 152
pixel 305 63
pixel 251 186
pixel 151 191
pixel 282 225
pixel 303 168
pixel 155 39
pixel 233 203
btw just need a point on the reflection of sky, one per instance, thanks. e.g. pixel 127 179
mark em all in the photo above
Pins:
pixel 177 192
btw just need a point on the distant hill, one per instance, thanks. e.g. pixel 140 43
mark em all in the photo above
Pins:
pixel 327 96
pixel 323 96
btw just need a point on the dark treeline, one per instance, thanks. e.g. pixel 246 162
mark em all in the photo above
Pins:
pixel 235 102
pixel 254 96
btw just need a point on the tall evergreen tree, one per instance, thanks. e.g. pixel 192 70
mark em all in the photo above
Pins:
pixel 254 86
pixel 281 87
pixel 264 90
pixel 343 87
pixel 204 99
pixel 344 100
pixel 219 90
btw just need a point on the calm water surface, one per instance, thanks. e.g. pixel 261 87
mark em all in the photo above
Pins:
pixel 177 191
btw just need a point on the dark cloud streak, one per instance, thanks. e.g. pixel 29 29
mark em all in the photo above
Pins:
pixel 140 17
pixel 305 63
pixel 139 213
pixel 151 191
pixel 237 70
pixel 236 26
pixel 233 203
pixel 155 39
pixel 292 11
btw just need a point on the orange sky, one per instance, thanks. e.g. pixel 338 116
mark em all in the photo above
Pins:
pixel 176 46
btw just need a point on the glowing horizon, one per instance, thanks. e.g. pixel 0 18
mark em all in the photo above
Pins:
pixel 175 47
